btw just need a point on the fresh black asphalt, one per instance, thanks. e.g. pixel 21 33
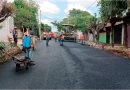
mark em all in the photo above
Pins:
pixel 72 66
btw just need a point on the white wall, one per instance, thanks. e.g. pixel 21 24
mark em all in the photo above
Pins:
pixel 90 37
pixel 79 33
pixel 8 25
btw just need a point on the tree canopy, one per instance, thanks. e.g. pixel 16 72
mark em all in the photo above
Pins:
pixel 76 17
pixel 58 25
pixel 45 27
pixel 26 14
pixel 111 8
pixel 6 9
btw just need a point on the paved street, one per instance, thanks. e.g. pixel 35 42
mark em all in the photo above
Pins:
pixel 72 66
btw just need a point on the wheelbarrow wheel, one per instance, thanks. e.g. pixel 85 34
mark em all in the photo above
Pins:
pixel 17 67
pixel 27 66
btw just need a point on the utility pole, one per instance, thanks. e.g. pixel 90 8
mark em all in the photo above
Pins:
pixel 40 25
pixel 68 20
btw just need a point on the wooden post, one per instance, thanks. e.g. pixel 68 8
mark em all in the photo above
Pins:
pixel 112 34
pixel 23 31
pixel 125 34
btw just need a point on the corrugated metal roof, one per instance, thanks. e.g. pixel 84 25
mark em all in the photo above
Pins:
pixel 117 23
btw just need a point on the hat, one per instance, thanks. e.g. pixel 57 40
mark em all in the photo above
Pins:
pixel 32 32
pixel 15 27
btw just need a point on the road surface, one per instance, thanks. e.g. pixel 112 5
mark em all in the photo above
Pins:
pixel 72 66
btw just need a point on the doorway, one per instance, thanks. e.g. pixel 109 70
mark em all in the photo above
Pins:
pixel 118 34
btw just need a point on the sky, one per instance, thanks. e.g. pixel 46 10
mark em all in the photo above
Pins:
pixel 52 10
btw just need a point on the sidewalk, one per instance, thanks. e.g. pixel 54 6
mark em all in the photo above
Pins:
pixel 117 49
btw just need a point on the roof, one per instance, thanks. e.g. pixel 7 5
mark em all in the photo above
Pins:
pixel 117 23
pixel 100 26
pixel 68 25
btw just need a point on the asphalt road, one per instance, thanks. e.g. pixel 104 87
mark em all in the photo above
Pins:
pixel 72 66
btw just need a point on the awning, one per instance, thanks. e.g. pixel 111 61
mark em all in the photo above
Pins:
pixel 117 23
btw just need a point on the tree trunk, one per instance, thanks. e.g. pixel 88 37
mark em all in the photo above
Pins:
pixel 97 37
pixel 125 35
pixel 112 34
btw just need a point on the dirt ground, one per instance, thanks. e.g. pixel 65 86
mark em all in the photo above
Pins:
pixel 117 49
pixel 7 55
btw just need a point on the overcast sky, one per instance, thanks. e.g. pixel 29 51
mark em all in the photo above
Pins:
pixel 58 9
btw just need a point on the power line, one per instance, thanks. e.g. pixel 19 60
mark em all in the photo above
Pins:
pixel 92 4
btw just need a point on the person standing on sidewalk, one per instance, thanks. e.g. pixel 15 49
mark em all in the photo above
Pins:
pixel 75 36
pixel 15 35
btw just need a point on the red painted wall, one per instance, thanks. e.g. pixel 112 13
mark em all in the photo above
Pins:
pixel 128 32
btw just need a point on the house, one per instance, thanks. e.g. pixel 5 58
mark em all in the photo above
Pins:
pixel 118 33
pixel 101 32
pixel 105 34
pixel 79 33
pixel 90 35
pixel 128 34
pixel 7 26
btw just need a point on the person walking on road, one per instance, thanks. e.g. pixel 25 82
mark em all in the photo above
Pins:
pixel 56 36
pixel 28 45
pixel 62 39
pixel 59 35
pixel 47 39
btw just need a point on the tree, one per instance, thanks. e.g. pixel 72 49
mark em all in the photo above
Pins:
pixel 47 27
pixel 91 22
pixel 6 9
pixel 26 14
pixel 58 24
pixel 76 17
pixel 111 8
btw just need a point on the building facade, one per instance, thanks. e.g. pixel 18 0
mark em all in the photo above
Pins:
pixel 7 27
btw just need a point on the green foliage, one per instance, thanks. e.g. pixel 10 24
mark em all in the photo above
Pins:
pixel 77 18
pixel 48 28
pixel 91 22
pixel 58 24
pixel 26 14
pixel 111 8
pixel 45 26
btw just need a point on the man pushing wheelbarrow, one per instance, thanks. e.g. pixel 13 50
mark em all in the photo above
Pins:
pixel 28 45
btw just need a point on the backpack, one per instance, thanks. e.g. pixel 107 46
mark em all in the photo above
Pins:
pixel 27 40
